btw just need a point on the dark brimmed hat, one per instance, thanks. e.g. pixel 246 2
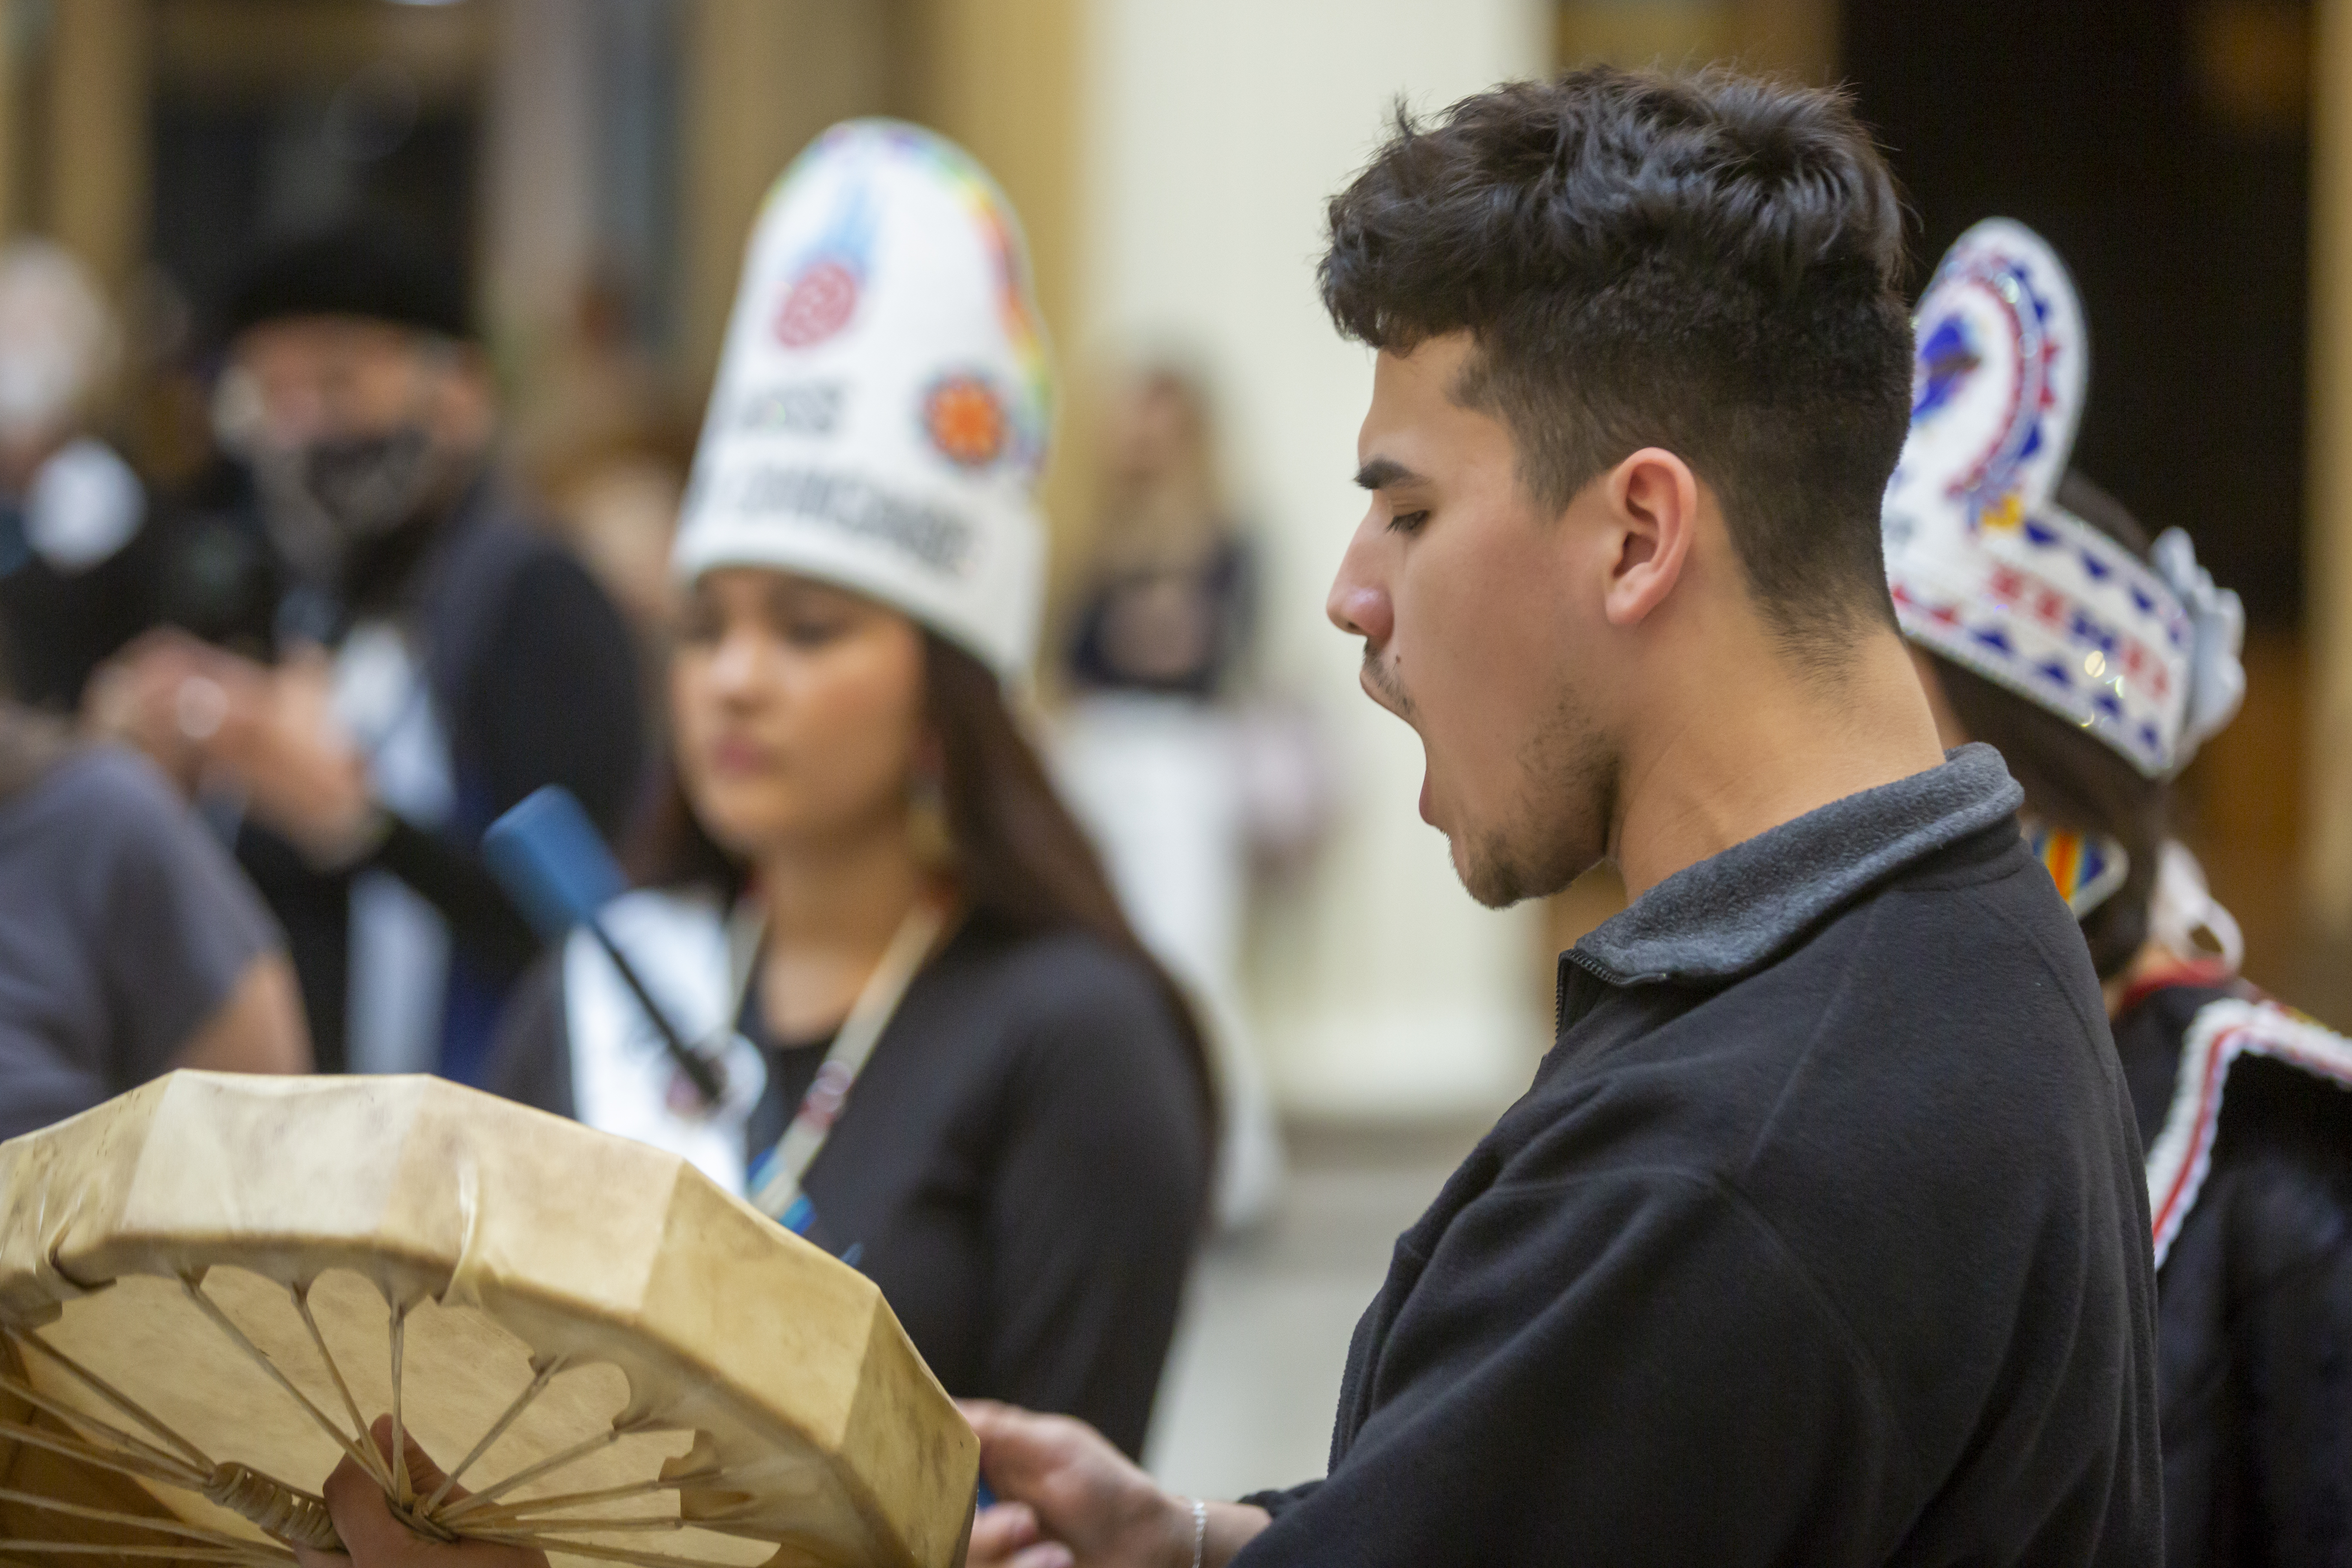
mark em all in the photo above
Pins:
pixel 368 267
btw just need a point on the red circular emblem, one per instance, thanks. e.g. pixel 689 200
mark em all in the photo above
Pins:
pixel 965 420
pixel 819 304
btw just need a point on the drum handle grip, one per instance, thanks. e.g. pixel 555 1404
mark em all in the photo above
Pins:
pixel 276 1510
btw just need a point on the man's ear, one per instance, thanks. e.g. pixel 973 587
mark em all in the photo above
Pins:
pixel 1652 502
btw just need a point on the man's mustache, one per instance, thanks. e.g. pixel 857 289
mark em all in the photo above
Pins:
pixel 1382 679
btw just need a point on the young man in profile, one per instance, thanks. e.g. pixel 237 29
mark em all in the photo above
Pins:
pixel 1819 1238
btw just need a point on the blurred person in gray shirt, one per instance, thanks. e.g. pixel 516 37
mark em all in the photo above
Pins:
pixel 129 943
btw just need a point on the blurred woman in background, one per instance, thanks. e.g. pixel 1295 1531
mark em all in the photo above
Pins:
pixel 2044 622
pixel 1153 747
pixel 1167 602
pixel 958 1068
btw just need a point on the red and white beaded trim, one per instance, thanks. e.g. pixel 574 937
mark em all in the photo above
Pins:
pixel 2221 1031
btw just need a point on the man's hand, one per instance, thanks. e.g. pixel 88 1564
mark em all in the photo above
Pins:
pixel 207 715
pixel 278 739
pixel 1072 1501
pixel 377 1540
pixel 131 700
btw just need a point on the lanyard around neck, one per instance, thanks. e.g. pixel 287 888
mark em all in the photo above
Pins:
pixel 776 1175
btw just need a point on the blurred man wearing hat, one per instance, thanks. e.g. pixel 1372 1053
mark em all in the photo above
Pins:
pixel 437 659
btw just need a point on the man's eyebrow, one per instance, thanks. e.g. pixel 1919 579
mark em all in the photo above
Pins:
pixel 1381 472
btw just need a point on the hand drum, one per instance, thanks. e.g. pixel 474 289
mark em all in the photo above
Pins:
pixel 211 1286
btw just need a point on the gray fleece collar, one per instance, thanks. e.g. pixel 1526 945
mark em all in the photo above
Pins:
pixel 1733 913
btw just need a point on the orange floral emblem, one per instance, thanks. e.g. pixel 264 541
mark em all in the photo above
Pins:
pixel 965 420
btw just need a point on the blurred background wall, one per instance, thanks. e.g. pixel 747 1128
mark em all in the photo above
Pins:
pixel 1217 129
pixel 600 161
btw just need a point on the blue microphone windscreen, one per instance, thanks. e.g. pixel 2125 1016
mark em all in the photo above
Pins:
pixel 552 862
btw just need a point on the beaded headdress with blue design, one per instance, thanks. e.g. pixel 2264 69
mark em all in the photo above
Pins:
pixel 1990 572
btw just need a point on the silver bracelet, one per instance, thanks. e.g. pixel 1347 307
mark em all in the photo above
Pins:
pixel 1200 1531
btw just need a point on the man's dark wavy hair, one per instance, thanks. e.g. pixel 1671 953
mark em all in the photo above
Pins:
pixel 1706 264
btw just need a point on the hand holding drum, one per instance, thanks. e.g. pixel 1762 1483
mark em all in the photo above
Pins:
pixel 370 1536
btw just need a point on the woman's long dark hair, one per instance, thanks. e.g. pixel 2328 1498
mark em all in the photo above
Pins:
pixel 1022 861
pixel 2071 779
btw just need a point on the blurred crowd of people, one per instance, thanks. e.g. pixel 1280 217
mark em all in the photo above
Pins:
pixel 384 609
pixel 260 712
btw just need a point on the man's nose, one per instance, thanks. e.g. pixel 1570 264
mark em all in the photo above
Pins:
pixel 1358 605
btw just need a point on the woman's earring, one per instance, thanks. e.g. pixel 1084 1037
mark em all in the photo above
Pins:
pixel 928 832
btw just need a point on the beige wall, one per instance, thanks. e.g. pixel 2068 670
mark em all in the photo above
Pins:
pixel 761 77
pixel 96 183
pixel 1002 78
pixel 15 146
pixel 538 198
pixel 1795 37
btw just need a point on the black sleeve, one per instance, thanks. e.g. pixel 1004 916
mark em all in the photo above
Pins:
pixel 2293 1335
pixel 530 1059
pixel 177 924
pixel 1558 1387
pixel 453 879
pixel 556 700
pixel 1281 1502
pixel 553 701
pixel 1100 1190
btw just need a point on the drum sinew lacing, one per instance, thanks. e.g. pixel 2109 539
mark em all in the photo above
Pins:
pixel 291 1514
pixel 216 1290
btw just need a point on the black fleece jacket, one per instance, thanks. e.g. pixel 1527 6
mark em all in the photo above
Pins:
pixel 2254 1317
pixel 1821 1238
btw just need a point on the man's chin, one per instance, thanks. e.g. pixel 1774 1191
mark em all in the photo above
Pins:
pixel 1485 876
pixel 1499 874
